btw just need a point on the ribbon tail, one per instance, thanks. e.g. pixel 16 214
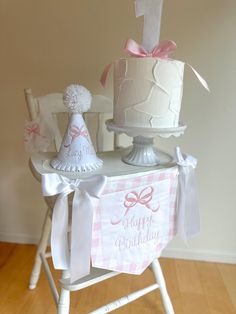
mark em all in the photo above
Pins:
pixel 181 207
pixel 200 78
pixel 81 235
pixel 192 217
pixel 59 239
pixel 164 48
pixel 188 221
pixel 104 75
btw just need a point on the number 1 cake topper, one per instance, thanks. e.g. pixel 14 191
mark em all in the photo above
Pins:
pixel 152 10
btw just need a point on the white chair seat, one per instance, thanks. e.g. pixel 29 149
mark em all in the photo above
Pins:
pixel 112 166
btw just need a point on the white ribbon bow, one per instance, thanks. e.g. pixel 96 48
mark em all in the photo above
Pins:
pixel 188 210
pixel 77 258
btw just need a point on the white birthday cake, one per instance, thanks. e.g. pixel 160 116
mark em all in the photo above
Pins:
pixel 148 85
pixel 148 92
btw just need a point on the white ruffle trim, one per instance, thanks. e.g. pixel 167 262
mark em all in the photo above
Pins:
pixel 65 166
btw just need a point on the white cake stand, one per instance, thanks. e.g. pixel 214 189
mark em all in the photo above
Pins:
pixel 143 152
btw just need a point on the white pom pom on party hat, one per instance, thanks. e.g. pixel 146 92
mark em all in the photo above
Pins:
pixel 77 98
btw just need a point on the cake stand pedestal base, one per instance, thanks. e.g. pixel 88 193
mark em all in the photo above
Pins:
pixel 143 152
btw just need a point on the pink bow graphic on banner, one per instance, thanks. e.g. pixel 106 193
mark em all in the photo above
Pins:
pixel 162 50
pixel 76 132
pixel 133 198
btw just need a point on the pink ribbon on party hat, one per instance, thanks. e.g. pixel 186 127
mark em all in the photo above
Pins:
pixel 161 50
pixel 76 132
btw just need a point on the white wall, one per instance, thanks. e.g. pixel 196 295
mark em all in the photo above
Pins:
pixel 47 45
pixel 205 33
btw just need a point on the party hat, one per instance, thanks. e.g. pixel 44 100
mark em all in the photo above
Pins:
pixel 76 152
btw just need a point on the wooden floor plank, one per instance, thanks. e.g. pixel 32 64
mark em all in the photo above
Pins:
pixel 170 274
pixel 193 299
pixel 215 291
pixel 228 274
pixel 6 249
pixel 194 287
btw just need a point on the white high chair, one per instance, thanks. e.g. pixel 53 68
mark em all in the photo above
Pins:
pixel 113 166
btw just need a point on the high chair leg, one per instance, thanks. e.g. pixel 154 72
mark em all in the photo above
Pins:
pixel 64 302
pixel 162 286
pixel 64 298
pixel 42 246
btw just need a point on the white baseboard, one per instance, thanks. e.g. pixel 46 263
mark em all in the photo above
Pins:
pixel 200 255
pixel 189 254
pixel 18 238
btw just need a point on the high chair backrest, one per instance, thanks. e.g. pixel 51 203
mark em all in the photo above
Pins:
pixel 52 104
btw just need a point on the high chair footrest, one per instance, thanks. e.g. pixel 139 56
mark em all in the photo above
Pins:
pixel 96 275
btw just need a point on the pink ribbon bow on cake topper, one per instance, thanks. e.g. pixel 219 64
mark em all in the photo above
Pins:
pixel 161 50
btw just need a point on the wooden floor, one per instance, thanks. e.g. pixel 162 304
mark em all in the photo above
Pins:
pixel 194 287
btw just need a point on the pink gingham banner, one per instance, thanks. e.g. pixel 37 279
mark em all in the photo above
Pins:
pixel 134 221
